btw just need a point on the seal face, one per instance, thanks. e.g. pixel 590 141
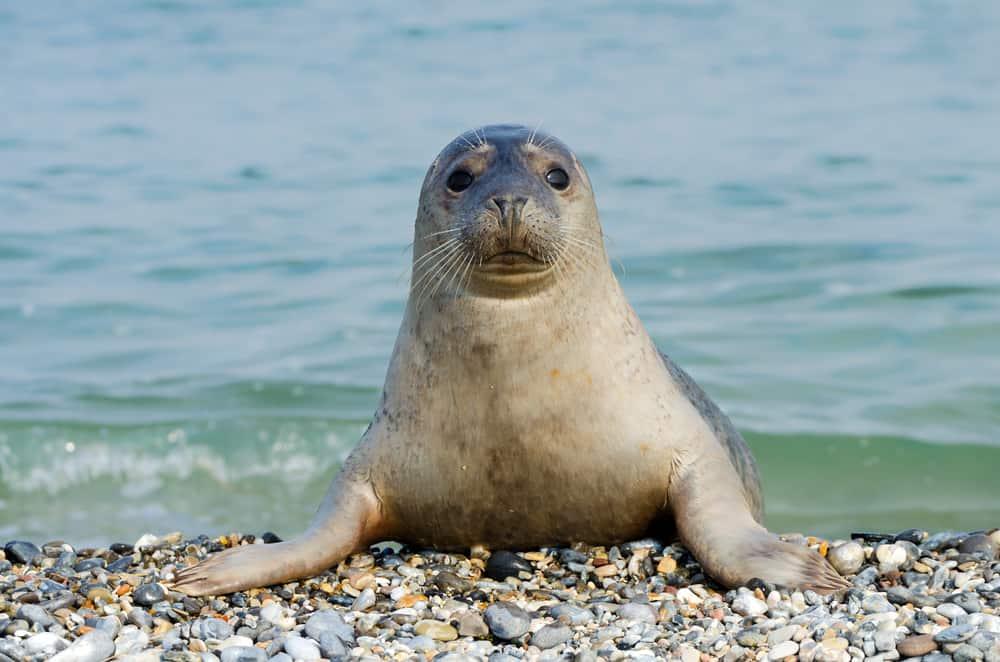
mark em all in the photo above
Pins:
pixel 524 403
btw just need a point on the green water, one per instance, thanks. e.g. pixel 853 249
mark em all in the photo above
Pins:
pixel 205 213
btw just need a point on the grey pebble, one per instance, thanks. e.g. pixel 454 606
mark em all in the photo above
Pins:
pixel 330 645
pixel 21 551
pixel 130 640
pixel 140 617
pixel 876 604
pixel 847 558
pixel 955 634
pixel 329 620
pixel 243 654
pixel 576 615
pixel 978 544
pixel 36 615
pixel 148 595
pixel 94 646
pixel 503 564
pixel 967 601
pixel 211 628
pixel 282 657
pixel 966 653
pixel 951 611
pixel 507 621
pixel 364 601
pixel 551 636
pixel 45 643
pixel 301 648
pixel 635 611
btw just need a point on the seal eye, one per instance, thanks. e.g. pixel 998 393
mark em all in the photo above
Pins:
pixel 459 180
pixel 557 179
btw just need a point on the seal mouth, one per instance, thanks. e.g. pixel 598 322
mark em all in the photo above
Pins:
pixel 513 262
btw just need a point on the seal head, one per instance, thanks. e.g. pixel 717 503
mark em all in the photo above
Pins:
pixel 499 209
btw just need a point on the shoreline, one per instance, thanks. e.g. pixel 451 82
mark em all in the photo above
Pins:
pixel 935 596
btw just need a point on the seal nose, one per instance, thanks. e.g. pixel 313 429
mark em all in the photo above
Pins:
pixel 510 208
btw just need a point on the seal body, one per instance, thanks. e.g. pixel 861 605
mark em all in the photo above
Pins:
pixel 525 404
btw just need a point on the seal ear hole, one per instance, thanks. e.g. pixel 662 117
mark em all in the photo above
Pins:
pixel 459 180
pixel 557 179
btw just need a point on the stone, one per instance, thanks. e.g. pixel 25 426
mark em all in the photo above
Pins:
pixel 45 644
pixel 572 614
pixel 783 650
pixel 95 646
pixel 916 645
pixel 329 621
pixel 21 551
pixel 876 604
pixel 301 648
pixel 331 646
pixel 885 640
pixel 891 555
pixel 140 617
pixel 751 638
pixel 967 601
pixel 503 564
pixel 148 595
pixel 243 654
pixel 36 615
pixel 634 611
pixel 449 582
pixel 471 624
pixel 966 653
pixel 436 630
pixel 847 558
pixel 130 640
pixel 211 628
pixel 746 604
pixel 551 636
pixel 979 544
pixel 507 621
pixel 955 634
pixel 781 635
pixel 364 601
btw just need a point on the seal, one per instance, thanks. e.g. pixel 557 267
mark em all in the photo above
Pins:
pixel 525 405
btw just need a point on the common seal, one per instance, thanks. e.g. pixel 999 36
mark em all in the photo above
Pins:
pixel 525 405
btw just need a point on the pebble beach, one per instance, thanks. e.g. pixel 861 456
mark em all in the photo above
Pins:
pixel 914 595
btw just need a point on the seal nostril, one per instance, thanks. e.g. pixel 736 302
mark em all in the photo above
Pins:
pixel 503 205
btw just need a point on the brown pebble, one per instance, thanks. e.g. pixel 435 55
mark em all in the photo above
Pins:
pixel 666 565
pixel 917 644
pixel 606 570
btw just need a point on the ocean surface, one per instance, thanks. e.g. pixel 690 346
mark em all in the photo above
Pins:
pixel 206 210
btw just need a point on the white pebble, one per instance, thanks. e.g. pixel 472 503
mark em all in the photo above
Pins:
pixel 783 650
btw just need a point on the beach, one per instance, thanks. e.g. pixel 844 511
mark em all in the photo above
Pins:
pixel 934 597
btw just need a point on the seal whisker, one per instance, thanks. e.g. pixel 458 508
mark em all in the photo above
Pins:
pixel 440 232
pixel 433 278
pixel 453 260
pixel 467 142
pixel 437 249
pixel 531 136
pixel 431 270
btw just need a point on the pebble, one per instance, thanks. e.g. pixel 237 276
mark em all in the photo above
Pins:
pixel 916 645
pixel 637 612
pixel 847 558
pixel 979 544
pixel 507 621
pixel 301 648
pixel 783 650
pixel 36 615
pixel 331 646
pixel 329 621
pixel 130 639
pixel 955 634
pixel 436 630
pixel 149 594
pixel 471 624
pixel 45 644
pixel 875 603
pixel 892 555
pixel 94 646
pixel 20 551
pixel 503 564
pixel 211 628
pixel 551 636
pixel 746 604
pixel 243 654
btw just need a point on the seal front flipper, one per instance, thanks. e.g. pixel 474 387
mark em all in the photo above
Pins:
pixel 348 520
pixel 715 524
